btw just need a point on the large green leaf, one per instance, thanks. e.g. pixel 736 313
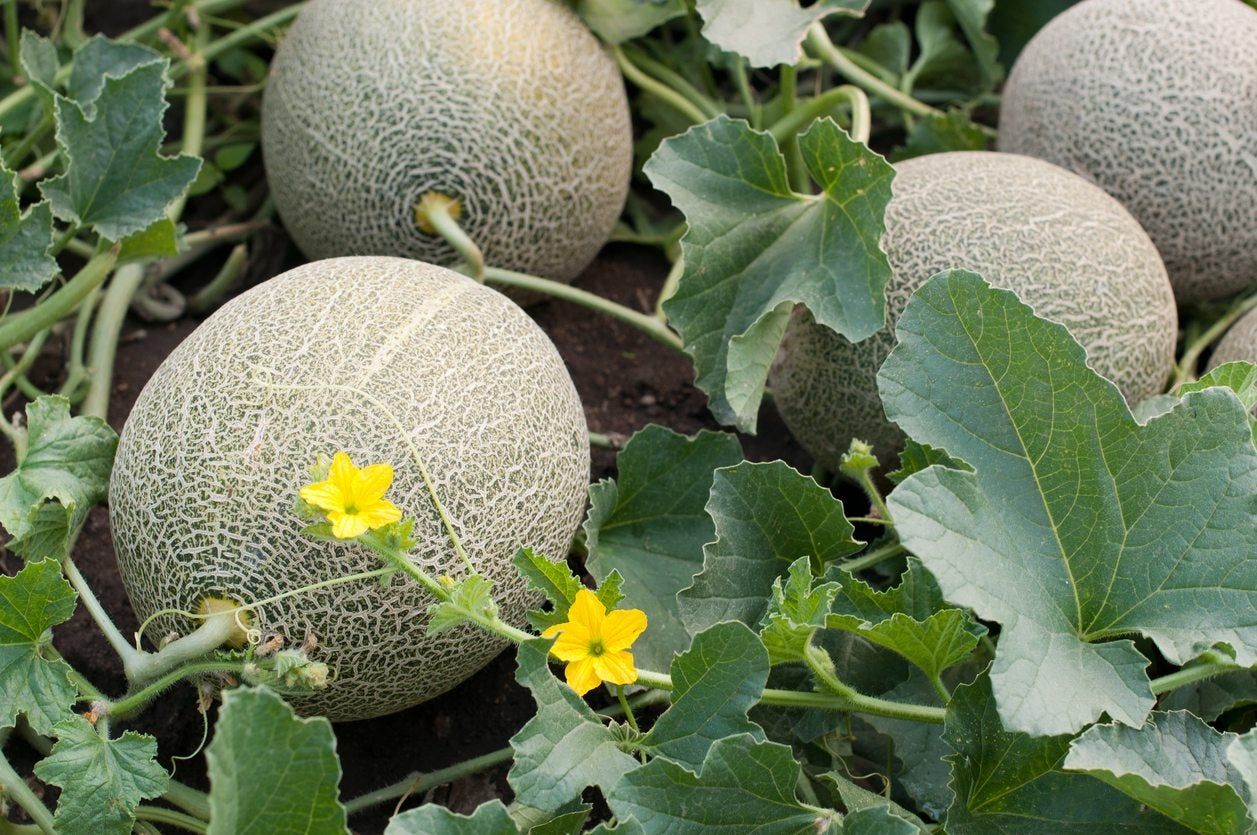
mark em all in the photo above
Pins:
pixel 755 248
pixel 650 524
pixel 768 32
pixel 1079 526
pixel 1008 782
pixel 272 772
pixel 616 21
pixel 744 786
pixel 25 239
pixel 33 679
pixel 102 780
pixel 1175 764
pixel 715 683
pixel 766 517
pixel 116 180
pixel 64 472
pixel 430 819
pixel 565 747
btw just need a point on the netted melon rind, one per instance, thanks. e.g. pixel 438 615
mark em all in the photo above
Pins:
pixel 1239 344
pixel 1067 248
pixel 368 355
pixel 510 106
pixel 1155 101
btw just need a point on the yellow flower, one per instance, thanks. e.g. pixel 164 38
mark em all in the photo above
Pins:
pixel 353 498
pixel 595 643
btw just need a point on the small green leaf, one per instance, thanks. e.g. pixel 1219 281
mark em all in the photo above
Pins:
pixel 64 472
pixel 116 181
pixel 490 818
pixel 34 681
pixel 755 248
pixel 768 32
pixel 102 780
pixel 568 820
pixel 474 593
pixel 950 131
pixel 744 786
pixel 890 46
pixel 1009 782
pixel 972 15
pixel 1175 764
pixel 715 683
pixel 554 580
pixel 915 457
pixel 1079 527
pixel 233 155
pixel 1239 377
pixel 100 59
pixel 271 772
pixel 39 63
pixel 650 525
pixel 608 591
pixel 858 800
pixel 565 747
pixel 943 63
pixel 160 240
pixel 766 517
pixel 797 609
pixel 617 21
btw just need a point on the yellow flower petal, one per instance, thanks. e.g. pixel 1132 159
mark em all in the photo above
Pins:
pixel 615 667
pixel 342 473
pixel 379 514
pixel 323 495
pixel 346 525
pixel 588 611
pixel 621 628
pixel 573 643
pixel 372 483
pixel 581 676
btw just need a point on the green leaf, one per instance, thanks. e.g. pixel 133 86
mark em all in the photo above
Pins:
pixel 1078 526
pixel 271 772
pixel 943 63
pixel 1176 764
pixel 910 619
pixel 116 181
pixel 160 240
pixel 1009 782
pixel 1211 698
pixel 100 59
pixel 554 580
pixel 1014 22
pixel 430 819
pixel 64 472
pixel 24 240
pixel 569 820
pixel 1239 377
pixel 768 32
pixel 972 16
pixel 950 131
pixel 744 786
pixel 755 248
pixel 617 21
pixel 882 815
pixel 651 524
pixel 766 517
pixel 102 780
pixel 795 611
pixel 565 747
pixel 34 681
pixel 39 63
pixel 715 683
pixel 474 593
pixel 915 457
pixel 890 46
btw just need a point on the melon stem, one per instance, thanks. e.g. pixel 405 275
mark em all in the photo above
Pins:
pixel 103 622
pixel 437 214
pixel 14 788
pixel 658 89
pixel 215 631
pixel 859 124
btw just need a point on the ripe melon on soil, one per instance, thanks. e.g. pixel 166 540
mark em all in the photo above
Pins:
pixel 1155 101
pixel 384 358
pixel 1068 249
pixel 510 106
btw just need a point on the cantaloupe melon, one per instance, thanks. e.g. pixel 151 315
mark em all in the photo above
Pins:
pixel 1067 248
pixel 512 107
pixel 1155 101
pixel 1239 344
pixel 383 358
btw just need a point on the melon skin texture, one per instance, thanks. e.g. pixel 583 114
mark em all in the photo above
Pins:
pixel 510 106
pixel 1068 249
pixel 1155 101
pixel 370 355
pixel 1239 344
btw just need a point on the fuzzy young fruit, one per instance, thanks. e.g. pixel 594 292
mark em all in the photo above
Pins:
pixel 1156 102
pixel 391 361
pixel 511 107
pixel 1067 248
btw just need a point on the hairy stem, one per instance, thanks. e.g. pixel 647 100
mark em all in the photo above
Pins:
pixel 418 783
pixel 157 814
pixel 212 293
pixel 822 667
pixel 874 557
pixel 23 326
pixel 213 632
pixel 1209 665
pixel 657 88
pixel 669 288
pixel 743 81
pixel 101 618
pixel 861 116
pixel 14 788
pixel 136 701
pixel 188 799
pixel 673 79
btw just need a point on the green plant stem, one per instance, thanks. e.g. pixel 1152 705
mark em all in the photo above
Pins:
pixel 188 799
pixel 19 151
pixel 244 33
pixel 796 168
pixel 17 370
pixel 157 814
pixel 822 667
pixel 14 788
pixel 822 47
pixel 673 79
pixel 12 37
pixel 872 558
pixel 791 123
pixel 624 706
pixel 597 439
pixel 214 631
pixel 99 616
pixel 212 293
pixel 20 327
pixel 742 79
pixel 669 288
pixel 1185 371
pixel 9 828
pixel 865 480
pixel 76 371
pixel 657 88
pixel 194 107
pixel 649 325
pixel 135 701
pixel 1207 666
pixel 435 214
pixel 417 783
pixel 104 344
